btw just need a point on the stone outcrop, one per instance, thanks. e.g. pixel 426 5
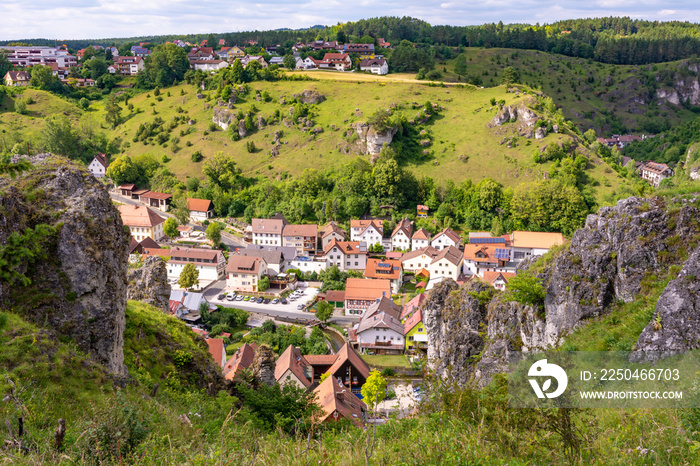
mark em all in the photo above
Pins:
pixel 78 289
pixel 263 367
pixel 540 133
pixel 149 284
pixel 520 113
pixel 242 131
pixel 308 96
pixel 692 162
pixel 223 118
pixel 675 326
pixel 370 141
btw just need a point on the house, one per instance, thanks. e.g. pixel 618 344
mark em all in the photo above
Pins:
pixel 79 82
pixel 58 71
pixel 210 263
pixel 98 166
pixel 480 258
pixel 186 305
pixel 498 280
pixel 222 53
pixel 148 243
pixel 185 230
pixel 292 367
pixel 322 45
pixel 244 272
pixel 30 55
pixel 346 255
pixel 336 61
pixel 383 44
pixel 303 238
pixel 201 54
pixel 389 269
pixel 422 211
pixel 416 336
pixel 654 172
pixel 242 359
pixel 154 199
pixel 370 231
pixel 337 402
pixel 361 293
pixel 235 52
pixel 129 65
pixel 412 306
pixel 365 51
pixel 268 231
pixel 331 232
pixel 209 65
pixel 447 264
pixel 380 329
pixel 420 239
pixel 375 65
pixel 401 236
pixel 250 58
pixel 135 247
pixel 279 61
pixel 308 63
pixel 17 78
pixel 222 42
pixel 140 51
pixel 334 297
pixel 446 238
pixel 274 256
pixel 217 350
pixel 157 252
pixel 418 259
pixel 533 243
pixel 200 209
pixel 142 222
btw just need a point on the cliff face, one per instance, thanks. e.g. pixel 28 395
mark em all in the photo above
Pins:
pixel 149 284
pixel 370 141
pixel 606 261
pixel 78 284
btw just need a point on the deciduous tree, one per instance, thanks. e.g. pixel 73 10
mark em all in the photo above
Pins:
pixel 189 276
pixel 170 227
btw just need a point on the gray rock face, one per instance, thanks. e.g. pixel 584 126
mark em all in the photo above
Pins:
pixel 79 289
pixel 223 118
pixel 310 97
pixel 242 131
pixel 263 367
pixel 371 141
pixel 540 133
pixel 675 326
pixel 514 113
pixel 149 284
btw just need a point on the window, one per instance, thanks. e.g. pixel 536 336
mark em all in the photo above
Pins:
pixel 420 329
pixel 410 338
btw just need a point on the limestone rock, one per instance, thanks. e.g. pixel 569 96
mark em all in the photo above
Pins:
pixel 242 131
pixel 370 141
pixel 263 367
pixel 520 113
pixel 261 122
pixel 310 97
pixel 540 132
pixel 149 284
pixel 223 118
pixel 79 289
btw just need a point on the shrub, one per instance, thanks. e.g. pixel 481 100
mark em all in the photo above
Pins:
pixel 250 147
pixel 20 106
pixel 197 157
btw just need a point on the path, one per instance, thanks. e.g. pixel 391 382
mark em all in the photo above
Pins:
pixel 347 76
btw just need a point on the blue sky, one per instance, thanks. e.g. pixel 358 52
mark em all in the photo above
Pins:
pixel 83 19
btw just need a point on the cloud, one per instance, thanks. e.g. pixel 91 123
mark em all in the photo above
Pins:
pixel 89 19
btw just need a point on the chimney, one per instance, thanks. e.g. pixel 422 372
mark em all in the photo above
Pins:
pixel 377 301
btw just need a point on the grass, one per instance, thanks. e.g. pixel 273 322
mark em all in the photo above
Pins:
pixel 386 360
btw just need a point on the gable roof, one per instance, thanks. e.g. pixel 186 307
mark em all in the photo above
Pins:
pixel 331 227
pixel 179 253
pixel 490 277
pixel 388 268
pixel 199 205
pixel 272 257
pixel 272 225
pixel 244 264
pixel 18 76
pixel 383 305
pixel 300 230
pixel 242 359
pixel 347 353
pixel 380 320
pixel 405 226
pixel 412 305
pixel 102 160
pixel 448 232
pixel 452 254
pixel 292 359
pixel 164 253
pixel 363 224
pixel 135 246
pixel 421 233
pixel 412 321
pixel 333 396
pixel 536 239
pixel 139 216
pixel 149 243
pixel 346 247
pixel 335 296
pixel 472 252
pixel 372 62
pixel 216 349
pixel 428 251
pixel 366 289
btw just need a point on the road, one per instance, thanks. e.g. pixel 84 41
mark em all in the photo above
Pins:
pixel 281 311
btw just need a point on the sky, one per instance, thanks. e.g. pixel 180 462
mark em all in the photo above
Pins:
pixel 97 19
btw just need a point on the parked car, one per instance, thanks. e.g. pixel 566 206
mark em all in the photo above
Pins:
pixel 220 297
pixel 260 300
pixel 292 298
pixel 246 298
pixel 300 306
pixel 231 297
pixel 239 297
pixel 283 300
pixel 275 301
pixel 266 301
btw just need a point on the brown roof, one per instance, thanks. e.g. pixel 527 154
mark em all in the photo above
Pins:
pixel 658 168
pixel 184 228
pixel 199 205
pixel 378 224
pixel 536 239
pixel 372 62
pixel 335 296
pixel 490 277
pixel 128 60
pixel 293 360
pixel 428 251
pixel 192 253
pixel 366 289
pixel 244 264
pixel 331 228
pixel 380 320
pixel 347 247
pixel 216 349
pixel 242 359
pixel 148 243
pixel 404 225
pixel 452 254
pixel 347 353
pixel 164 253
pixel 102 159
pixel 139 216
pixel 421 233
pixel 388 268
pixel 383 305
pixel 321 359
pixel 450 234
pixel 412 305
pixel 128 186
pixel 156 195
pixel 18 75
pixel 135 246
pixel 272 226
pixel 333 397
pixel 300 230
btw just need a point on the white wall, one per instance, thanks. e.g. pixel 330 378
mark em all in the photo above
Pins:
pixel 309 266
pixel 382 335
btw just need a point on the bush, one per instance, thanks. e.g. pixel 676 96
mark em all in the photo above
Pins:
pixel 388 372
pixel 20 106
pixel 84 103
pixel 250 147
pixel 197 157
pixel 213 127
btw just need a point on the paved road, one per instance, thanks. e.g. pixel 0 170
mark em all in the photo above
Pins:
pixel 283 311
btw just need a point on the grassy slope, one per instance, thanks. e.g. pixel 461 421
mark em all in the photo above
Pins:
pixel 565 79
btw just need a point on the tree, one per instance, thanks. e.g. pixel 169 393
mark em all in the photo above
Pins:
pixel 510 76
pixel 263 283
pixel 221 171
pixel 214 233
pixel 189 276
pixel 374 389
pixel 168 63
pixel 84 103
pixel 526 289
pixel 20 106
pixel 96 66
pixel 461 64
pixel 178 207
pixel 236 73
pixel 170 227
pixel 324 311
pixel 5 65
pixel 113 111
pixel 122 170
pixel 42 77
pixel 59 136
pixel 340 37
pixel 289 61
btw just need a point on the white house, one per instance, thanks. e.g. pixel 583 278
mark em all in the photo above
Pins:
pixel 368 231
pixel 210 263
pixel 380 329
pixel 307 63
pixel 419 259
pixel 98 166
pixel 303 238
pixel 268 232
pixel 401 236
pixel 200 209
pixel 209 65
pixel 329 233
pixel 374 65
pixel 142 222
pixel 347 255
pixel 420 239
pixel 445 238
pixel 533 243
pixel 243 273
pixel 654 172
pixel 447 263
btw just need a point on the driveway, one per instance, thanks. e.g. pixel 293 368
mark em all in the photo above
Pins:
pixel 404 402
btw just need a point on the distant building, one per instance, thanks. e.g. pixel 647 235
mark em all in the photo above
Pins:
pixel 361 293
pixel 210 263
pixel 654 172
pixel 98 166
pixel 142 222
pixel 200 209
pixel 26 56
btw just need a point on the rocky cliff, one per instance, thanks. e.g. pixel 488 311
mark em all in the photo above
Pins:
pixel 149 284
pixel 607 261
pixel 370 141
pixel 74 280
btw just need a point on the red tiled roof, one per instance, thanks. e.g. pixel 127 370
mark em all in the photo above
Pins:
pixel 216 349
pixel 421 233
pixel 199 205
pixel 347 353
pixel 156 195
pixel 336 400
pixel 413 320
pixel 388 268
pixel 450 234
pixel 139 216
pixel 300 230
pixel 412 305
pixel 293 360
pixel 244 264
pixel 366 289
pixel 242 359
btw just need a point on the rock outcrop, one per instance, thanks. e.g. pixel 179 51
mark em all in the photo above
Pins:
pixel 520 113
pixel 223 118
pixel 263 367
pixel 78 288
pixel 308 96
pixel 149 284
pixel 370 141
pixel 675 326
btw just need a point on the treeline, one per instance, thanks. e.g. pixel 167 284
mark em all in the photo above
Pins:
pixel 669 147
